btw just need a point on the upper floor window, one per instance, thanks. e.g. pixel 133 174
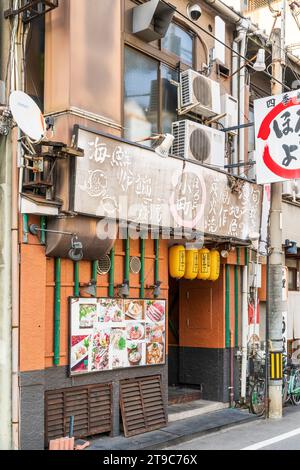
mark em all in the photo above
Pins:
pixel 150 98
pixel 180 43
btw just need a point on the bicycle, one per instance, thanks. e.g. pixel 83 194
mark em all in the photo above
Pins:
pixel 257 392
pixel 291 388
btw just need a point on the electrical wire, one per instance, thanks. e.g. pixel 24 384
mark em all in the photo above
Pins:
pixel 235 52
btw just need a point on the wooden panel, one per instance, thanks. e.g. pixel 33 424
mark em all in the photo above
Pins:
pixel 201 314
pixel 142 405
pixel 91 407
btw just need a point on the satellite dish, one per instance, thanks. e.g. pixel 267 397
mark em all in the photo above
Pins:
pixel 27 115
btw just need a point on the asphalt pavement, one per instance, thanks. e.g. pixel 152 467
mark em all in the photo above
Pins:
pixel 262 434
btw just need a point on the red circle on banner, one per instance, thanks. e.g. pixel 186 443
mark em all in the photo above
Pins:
pixel 264 133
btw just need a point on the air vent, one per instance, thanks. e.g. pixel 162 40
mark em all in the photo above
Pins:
pixel 200 145
pixel 90 406
pixel 104 265
pixel 202 91
pixel 135 265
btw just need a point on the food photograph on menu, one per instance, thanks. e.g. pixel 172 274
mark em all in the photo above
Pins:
pixel 108 334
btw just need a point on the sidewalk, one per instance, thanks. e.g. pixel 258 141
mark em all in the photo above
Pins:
pixel 176 432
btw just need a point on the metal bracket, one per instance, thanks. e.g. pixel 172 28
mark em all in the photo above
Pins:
pixel 32 9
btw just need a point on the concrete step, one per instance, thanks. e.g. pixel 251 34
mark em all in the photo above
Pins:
pixel 183 395
pixel 177 412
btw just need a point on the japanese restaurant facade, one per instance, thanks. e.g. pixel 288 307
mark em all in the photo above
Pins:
pixel 80 354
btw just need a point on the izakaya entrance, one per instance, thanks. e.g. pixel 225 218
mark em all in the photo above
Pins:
pixel 198 359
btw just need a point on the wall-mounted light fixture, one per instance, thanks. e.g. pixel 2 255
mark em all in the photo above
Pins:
pixel 124 289
pixel 156 289
pixel 90 289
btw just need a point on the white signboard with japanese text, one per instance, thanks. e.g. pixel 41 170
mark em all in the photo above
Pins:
pixel 119 180
pixel 277 132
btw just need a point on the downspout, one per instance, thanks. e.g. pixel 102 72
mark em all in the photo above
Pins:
pixel 242 80
pixel 156 268
pixel 244 326
pixel 57 303
pixel 127 260
pixel 43 223
pixel 111 287
pixel 76 279
pixel 227 306
pixel 142 273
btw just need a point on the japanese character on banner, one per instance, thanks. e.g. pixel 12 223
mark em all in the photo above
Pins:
pixel 277 123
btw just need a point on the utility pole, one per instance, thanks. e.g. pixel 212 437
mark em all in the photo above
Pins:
pixel 275 261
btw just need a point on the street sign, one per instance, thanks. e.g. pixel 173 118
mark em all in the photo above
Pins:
pixel 277 137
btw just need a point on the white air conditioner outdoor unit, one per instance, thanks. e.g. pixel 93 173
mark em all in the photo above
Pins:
pixel 199 94
pixel 194 141
pixel 291 189
pixel 229 105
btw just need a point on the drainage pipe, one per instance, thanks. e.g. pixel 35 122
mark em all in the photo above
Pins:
pixel 111 288
pixel 227 307
pixel 76 279
pixel 95 271
pixel 57 303
pixel 236 306
pixel 25 228
pixel 156 264
pixel 244 327
pixel 43 227
pixel 142 273
pixel 127 259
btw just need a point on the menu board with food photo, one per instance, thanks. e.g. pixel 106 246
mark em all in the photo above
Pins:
pixel 109 334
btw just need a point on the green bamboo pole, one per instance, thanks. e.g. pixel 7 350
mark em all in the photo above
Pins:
pixel 57 311
pixel 43 226
pixel 76 279
pixel 25 228
pixel 111 289
pixel 227 307
pixel 142 273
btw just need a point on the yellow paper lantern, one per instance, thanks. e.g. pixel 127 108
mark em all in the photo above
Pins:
pixel 215 265
pixel 177 261
pixel 191 264
pixel 204 264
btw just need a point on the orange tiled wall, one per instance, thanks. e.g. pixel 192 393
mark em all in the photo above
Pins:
pixel 37 296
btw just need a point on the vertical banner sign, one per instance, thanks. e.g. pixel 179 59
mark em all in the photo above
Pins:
pixel 277 137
